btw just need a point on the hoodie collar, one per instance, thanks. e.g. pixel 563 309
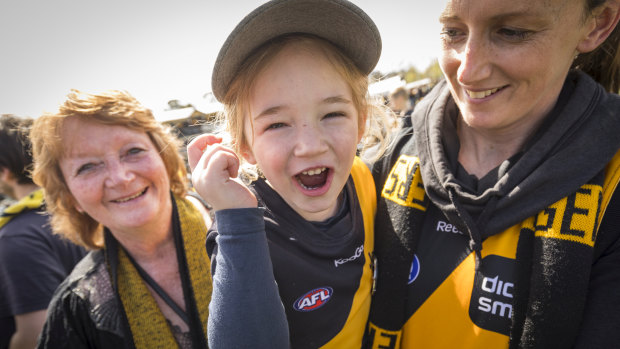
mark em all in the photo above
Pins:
pixel 576 141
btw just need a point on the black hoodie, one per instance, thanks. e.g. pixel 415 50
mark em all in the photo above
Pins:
pixel 572 147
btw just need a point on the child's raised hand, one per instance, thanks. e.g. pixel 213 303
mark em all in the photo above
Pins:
pixel 214 174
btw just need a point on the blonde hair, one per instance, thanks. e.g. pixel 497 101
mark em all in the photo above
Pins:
pixel 113 107
pixel 236 99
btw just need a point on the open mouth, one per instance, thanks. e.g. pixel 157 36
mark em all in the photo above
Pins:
pixel 313 179
pixel 482 94
pixel 119 201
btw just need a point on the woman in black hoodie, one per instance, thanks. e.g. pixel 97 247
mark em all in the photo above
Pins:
pixel 497 223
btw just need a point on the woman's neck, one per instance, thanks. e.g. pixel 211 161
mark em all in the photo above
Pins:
pixel 483 150
pixel 145 248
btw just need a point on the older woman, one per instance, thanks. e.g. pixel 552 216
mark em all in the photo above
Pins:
pixel 497 223
pixel 114 182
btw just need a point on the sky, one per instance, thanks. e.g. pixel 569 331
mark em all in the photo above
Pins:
pixel 157 50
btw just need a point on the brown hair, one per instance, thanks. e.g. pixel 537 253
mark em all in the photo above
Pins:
pixel 16 155
pixel 113 107
pixel 236 99
pixel 603 63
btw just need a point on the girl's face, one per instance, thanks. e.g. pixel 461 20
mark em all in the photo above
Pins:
pixel 115 174
pixel 302 130
pixel 506 60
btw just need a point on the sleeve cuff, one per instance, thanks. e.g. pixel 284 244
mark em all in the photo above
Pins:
pixel 240 221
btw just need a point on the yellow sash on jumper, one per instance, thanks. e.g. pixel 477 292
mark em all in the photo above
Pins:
pixel 350 336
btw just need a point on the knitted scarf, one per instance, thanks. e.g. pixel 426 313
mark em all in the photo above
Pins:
pixel 29 202
pixel 148 327
pixel 584 136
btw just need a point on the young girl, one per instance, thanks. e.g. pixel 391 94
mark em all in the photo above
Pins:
pixel 293 77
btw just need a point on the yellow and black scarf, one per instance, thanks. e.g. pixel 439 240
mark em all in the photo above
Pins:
pixel 30 202
pixel 563 164
pixel 143 318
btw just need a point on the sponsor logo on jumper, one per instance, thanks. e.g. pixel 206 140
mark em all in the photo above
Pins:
pixel 414 271
pixel 448 228
pixel 493 293
pixel 358 252
pixel 314 299
pixel 404 184
pixel 492 287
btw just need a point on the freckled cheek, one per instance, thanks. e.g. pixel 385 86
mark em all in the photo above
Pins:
pixel 271 148
pixel 271 161
pixel 85 193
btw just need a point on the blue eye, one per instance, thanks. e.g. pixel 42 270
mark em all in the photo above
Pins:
pixel 275 125
pixel 133 151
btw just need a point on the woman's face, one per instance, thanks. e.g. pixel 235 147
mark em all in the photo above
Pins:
pixel 115 174
pixel 506 60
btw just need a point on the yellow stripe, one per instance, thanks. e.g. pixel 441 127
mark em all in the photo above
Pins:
pixel 404 183
pixel 443 320
pixel 612 177
pixel 353 329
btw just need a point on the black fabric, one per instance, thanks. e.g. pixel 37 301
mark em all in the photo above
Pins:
pixel 7 328
pixel 569 150
pixel 33 262
pixel 304 258
pixel 86 311
pixel 342 212
pixel 602 316
pixel 394 245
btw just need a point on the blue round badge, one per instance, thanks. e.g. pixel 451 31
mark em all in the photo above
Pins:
pixel 415 270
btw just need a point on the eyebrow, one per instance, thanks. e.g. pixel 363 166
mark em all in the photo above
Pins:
pixel 277 109
pixel 446 16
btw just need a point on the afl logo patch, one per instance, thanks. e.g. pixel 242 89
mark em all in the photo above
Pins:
pixel 415 270
pixel 314 299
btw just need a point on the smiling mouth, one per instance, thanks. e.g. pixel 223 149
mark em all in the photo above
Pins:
pixel 118 201
pixel 482 94
pixel 313 179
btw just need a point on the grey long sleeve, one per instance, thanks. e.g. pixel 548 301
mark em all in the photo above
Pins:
pixel 245 309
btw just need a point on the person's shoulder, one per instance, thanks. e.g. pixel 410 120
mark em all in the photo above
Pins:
pixel 86 275
pixel 611 103
pixel 29 221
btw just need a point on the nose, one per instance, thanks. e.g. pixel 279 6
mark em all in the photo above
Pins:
pixel 475 61
pixel 309 140
pixel 117 173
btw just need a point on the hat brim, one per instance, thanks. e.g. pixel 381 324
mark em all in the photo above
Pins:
pixel 338 21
